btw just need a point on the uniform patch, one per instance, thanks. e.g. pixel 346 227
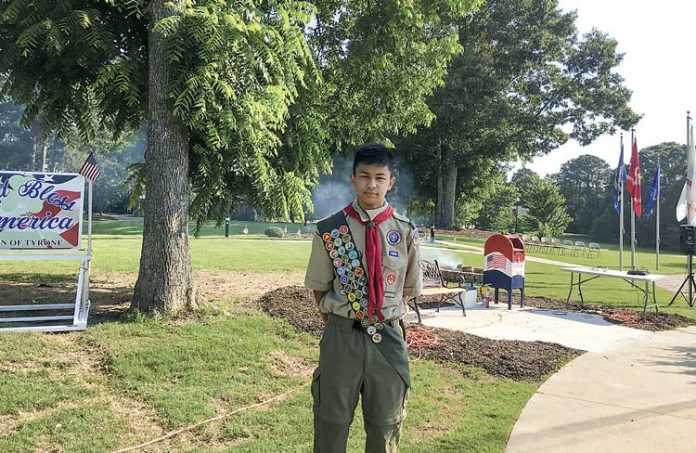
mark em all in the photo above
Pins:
pixel 335 233
pixel 343 229
pixel 330 246
pixel 359 272
pixel 338 262
pixel 391 294
pixel 393 253
pixel 391 278
pixel 326 236
pixel 350 246
pixel 393 237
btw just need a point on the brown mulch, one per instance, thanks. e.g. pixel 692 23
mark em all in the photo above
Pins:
pixel 624 316
pixel 512 359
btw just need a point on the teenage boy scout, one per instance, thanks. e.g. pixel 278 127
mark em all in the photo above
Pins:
pixel 364 264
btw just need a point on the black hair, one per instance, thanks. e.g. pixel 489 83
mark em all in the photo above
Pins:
pixel 374 153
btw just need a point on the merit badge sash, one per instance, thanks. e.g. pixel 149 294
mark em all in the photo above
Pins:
pixel 348 267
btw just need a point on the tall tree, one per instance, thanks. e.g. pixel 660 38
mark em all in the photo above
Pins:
pixel 523 85
pixel 231 94
pixel 546 210
pixel 583 181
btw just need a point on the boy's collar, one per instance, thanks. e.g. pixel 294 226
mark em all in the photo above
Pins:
pixel 369 214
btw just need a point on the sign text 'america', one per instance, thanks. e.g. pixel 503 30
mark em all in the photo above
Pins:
pixel 40 210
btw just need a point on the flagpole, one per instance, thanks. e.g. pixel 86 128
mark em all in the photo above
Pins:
pixel 633 213
pixel 657 221
pixel 621 212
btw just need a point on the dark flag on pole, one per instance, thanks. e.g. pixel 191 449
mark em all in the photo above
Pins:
pixel 619 180
pixel 89 169
pixel 654 192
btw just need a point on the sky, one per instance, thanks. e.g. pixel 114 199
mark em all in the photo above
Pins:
pixel 659 66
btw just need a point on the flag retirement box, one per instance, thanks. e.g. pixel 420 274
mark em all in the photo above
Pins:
pixel 503 265
pixel 40 211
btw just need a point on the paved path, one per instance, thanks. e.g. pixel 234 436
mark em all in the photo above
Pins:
pixel 474 249
pixel 637 396
pixel 575 330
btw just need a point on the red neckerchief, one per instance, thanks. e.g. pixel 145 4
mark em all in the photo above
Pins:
pixel 373 255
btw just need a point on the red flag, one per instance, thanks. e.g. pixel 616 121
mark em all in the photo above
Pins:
pixel 633 180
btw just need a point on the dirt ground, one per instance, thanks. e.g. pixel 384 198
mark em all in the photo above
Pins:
pixel 513 359
pixel 111 294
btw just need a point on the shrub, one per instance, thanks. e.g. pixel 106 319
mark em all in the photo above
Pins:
pixel 274 232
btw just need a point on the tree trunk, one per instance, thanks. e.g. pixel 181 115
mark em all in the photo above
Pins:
pixel 44 157
pixel 165 282
pixel 446 191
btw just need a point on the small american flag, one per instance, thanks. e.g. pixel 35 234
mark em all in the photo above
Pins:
pixel 89 169
pixel 496 261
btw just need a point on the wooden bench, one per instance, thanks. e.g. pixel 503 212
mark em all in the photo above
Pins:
pixel 435 285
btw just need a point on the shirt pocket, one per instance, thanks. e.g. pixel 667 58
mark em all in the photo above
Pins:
pixel 393 276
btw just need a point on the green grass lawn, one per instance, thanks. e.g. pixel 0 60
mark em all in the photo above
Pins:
pixel 125 382
pixel 75 391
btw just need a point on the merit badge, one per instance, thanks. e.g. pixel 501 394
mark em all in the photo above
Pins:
pixel 344 279
pixel 346 238
pixel 335 233
pixel 341 250
pixel 333 254
pixel 359 314
pixel 362 281
pixel 349 245
pixel 351 297
pixel 352 254
pixel 354 284
pixel 379 326
pixel 338 242
pixel 343 229
pixel 364 322
pixel 358 294
pixel 393 237
pixel 330 246
pixel 363 302
pixel 326 236
pixel 391 278
pixel 359 271
pixel 355 263
pixel 338 262
pixel 371 330
pixel 394 253
pixel 341 271
pixel 377 338
pixel 356 306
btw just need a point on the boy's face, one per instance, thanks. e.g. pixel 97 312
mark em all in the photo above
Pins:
pixel 371 182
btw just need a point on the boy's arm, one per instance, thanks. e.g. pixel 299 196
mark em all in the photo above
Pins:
pixel 413 283
pixel 320 274
pixel 318 296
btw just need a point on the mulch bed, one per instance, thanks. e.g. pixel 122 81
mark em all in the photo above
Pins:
pixel 513 359
pixel 624 316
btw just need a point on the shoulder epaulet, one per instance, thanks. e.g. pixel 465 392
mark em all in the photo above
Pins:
pixel 404 219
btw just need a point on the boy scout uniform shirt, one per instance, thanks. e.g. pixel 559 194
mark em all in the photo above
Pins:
pixel 401 270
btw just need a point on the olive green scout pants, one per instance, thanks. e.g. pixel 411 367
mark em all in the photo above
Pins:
pixel 351 365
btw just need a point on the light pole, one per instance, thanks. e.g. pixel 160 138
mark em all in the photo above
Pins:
pixel 517 212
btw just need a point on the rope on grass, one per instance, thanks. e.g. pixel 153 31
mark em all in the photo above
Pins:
pixel 420 338
pixel 211 420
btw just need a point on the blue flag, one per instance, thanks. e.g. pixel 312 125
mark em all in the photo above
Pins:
pixel 653 192
pixel 619 181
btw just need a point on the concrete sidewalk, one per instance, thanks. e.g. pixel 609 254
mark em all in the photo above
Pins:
pixel 637 396
pixel 575 330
